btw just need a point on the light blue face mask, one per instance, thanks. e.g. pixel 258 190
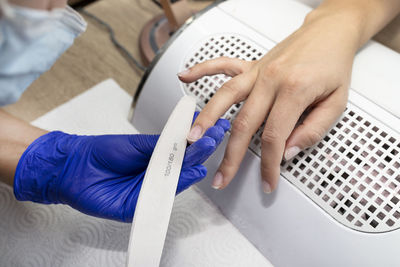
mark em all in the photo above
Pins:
pixel 30 42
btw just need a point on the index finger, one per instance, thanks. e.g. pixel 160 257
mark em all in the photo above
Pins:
pixel 222 65
pixel 230 93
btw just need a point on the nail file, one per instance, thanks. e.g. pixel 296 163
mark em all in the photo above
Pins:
pixel 156 197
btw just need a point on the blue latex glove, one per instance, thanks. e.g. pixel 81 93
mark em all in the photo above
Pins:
pixel 101 175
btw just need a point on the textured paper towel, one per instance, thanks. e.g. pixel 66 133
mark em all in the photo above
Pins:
pixel 56 235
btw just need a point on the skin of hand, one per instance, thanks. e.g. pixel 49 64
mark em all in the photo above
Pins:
pixel 310 70
pixel 15 136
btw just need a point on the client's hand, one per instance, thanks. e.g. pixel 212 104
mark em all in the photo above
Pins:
pixel 309 70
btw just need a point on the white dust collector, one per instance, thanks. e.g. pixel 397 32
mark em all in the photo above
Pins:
pixel 338 203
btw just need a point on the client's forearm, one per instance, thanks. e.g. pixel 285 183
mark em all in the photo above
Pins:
pixel 368 17
pixel 15 136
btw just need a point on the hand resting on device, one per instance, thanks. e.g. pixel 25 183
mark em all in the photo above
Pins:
pixel 309 70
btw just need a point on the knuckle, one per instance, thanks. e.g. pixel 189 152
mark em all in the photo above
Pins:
pixel 265 169
pixel 269 136
pixel 232 90
pixel 293 84
pixel 224 63
pixel 272 69
pixel 315 135
pixel 241 124
pixel 310 17
pixel 226 164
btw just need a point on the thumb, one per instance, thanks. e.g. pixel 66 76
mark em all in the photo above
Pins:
pixel 316 124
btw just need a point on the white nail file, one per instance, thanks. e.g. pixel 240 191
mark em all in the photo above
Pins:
pixel 156 198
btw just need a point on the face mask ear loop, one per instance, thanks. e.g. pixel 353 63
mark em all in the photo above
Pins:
pixel 5 9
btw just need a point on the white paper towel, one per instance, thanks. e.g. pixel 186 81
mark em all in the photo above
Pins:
pixel 56 235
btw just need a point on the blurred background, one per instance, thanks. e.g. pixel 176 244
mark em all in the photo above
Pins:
pixel 94 57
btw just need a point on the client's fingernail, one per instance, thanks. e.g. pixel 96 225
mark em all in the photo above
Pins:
pixel 266 187
pixel 195 133
pixel 218 180
pixel 291 152
pixel 183 73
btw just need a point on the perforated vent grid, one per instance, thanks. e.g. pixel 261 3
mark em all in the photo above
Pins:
pixel 353 173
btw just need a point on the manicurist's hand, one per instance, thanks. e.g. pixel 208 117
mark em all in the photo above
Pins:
pixel 101 175
pixel 310 70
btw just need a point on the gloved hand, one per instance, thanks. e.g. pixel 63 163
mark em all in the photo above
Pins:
pixel 101 175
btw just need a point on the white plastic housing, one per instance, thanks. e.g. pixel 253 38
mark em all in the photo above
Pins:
pixel 337 203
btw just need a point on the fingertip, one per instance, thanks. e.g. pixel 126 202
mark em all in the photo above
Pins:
pixel 206 145
pixel 224 124
pixel 291 152
pixel 198 171
pixel 269 185
pixel 202 170
pixel 190 176
pixel 195 134
pixel 207 141
pixel 218 181
pixel 215 132
pixel 223 176
pixel 183 74
pixel 266 187
pixel 270 180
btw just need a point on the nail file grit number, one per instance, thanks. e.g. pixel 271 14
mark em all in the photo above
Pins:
pixel 171 158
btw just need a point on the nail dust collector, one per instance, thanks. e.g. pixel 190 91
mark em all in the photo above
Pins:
pixel 338 203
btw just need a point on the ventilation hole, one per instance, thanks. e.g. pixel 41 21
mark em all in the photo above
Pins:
pixel 365 216
pixel 318 191
pixel 394 200
pixel 342 210
pixel 388 208
pixel 348 203
pixel 356 210
pixel 381 215
pixel 350 217
pixel 390 222
pixel 310 185
pixel 372 209
pixel 374 223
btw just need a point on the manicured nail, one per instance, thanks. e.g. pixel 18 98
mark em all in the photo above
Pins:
pixel 266 187
pixel 195 133
pixel 218 180
pixel 291 152
pixel 183 73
